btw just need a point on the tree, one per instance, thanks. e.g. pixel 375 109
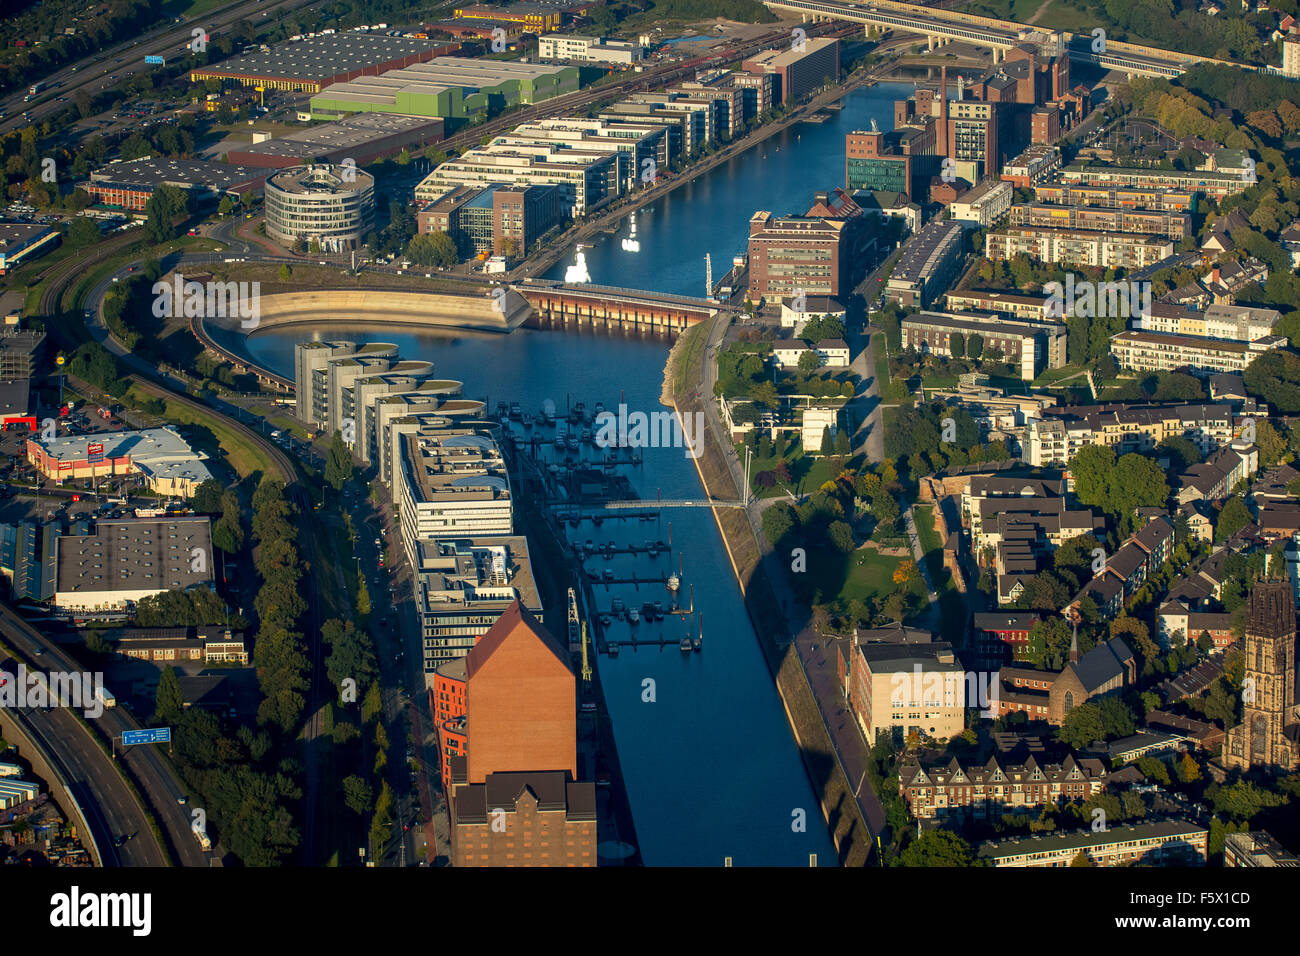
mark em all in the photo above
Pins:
pixel 842 445
pixel 169 702
pixel 957 345
pixel 207 497
pixel 432 249
pixel 285 272
pixel 1189 771
pixel 828 445
pixel 905 573
pixel 840 535
pixel 937 848
pixel 357 794
pixel 1232 519
pixel 1082 726
pixel 1081 859
pixel 809 362
pixel 82 232
pixel 778 522
pixel 975 346
pixel 338 463
pixel 363 595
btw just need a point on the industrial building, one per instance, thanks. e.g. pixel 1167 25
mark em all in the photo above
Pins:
pixel 129 185
pixel 20 241
pixel 27 559
pixel 164 460
pixel 363 138
pixel 310 64
pixel 446 86
pixel 331 205
pixel 124 561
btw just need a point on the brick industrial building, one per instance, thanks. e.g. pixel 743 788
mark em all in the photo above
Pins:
pixel 515 799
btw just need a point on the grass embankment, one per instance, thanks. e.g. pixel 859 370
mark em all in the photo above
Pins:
pixel 239 451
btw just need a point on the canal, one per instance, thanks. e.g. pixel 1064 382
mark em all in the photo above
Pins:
pixel 711 765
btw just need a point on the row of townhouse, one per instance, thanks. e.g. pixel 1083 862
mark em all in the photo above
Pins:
pixel 1214 478
pixel 1127 569
pixel 947 789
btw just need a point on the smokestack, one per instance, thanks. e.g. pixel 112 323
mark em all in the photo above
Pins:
pixel 941 140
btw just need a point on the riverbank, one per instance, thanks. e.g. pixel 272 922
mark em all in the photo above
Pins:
pixel 684 385
pixel 610 216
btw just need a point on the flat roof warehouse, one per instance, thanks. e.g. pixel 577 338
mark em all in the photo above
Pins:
pixel 308 65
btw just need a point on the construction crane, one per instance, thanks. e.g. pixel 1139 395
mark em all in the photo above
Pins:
pixel 586 664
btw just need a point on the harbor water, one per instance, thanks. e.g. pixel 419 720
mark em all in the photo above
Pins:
pixel 710 763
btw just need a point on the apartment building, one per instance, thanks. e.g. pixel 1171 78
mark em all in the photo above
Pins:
pixel 904 689
pixel 1106 250
pixel 1030 308
pixel 1036 162
pixel 1233 323
pixel 1029 347
pixel 1126 428
pixel 1218 185
pixel 984 205
pixel 1174 225
pixel 1143 351
pixel 1150 198
pixel 1214 478
pixel 927 265
pixel 1161 843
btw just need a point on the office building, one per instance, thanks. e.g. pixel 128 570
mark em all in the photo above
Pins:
pixel 793 254
pixel 570 47
pixel 498 219
pixel 904 690
pixel 800 69
pixel 516 798
pixel 332 206
pixel 871 164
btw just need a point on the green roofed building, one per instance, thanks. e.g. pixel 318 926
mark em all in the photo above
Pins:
pixel 446 86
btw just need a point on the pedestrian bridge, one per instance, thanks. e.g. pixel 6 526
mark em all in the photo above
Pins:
pixel 565 305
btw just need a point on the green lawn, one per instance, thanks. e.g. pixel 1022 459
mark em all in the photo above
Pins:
pixel 807 472
pixel 862 575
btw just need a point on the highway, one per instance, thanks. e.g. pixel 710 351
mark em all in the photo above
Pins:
pixel 108 802
pixel 105 68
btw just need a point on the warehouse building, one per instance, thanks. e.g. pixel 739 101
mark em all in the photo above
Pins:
pixel 124 561
pixel 447 86
pixel 309 65
pixel 20 241
pixel 129 185
pixel 363 138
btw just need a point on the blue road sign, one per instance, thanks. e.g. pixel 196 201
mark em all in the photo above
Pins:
pixel 153 735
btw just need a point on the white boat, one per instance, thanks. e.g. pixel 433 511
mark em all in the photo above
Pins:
pixel 633 615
